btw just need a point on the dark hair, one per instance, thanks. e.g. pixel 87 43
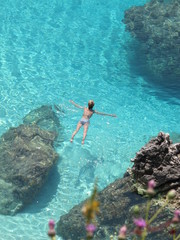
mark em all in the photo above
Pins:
pixel 90 104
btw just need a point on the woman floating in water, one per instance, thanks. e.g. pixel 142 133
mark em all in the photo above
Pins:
pixel 87 114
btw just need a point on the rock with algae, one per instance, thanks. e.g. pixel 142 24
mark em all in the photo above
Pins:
pixel 26 157
pixel 157 26
pixel 44 117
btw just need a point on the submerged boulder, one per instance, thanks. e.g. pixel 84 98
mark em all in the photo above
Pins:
pixel 26 157
pixel 44 117
pixel 157 27
pixel 158 160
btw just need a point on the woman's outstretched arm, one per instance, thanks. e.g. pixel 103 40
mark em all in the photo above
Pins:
pixel 75 104
pixel 105 114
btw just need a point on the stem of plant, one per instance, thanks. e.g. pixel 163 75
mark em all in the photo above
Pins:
pixel 178 237
pixel 158 212
pixel 144 235
pixel 147 209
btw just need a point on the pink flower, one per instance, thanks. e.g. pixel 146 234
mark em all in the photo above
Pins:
pixel 140 223
pixel 176 217
pixel 90 228
pixel 51 224
pixel 177 213
pixel 122 233
pixel 151 184
pixel 51 232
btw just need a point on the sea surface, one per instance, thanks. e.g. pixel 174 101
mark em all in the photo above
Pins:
pixel 54 51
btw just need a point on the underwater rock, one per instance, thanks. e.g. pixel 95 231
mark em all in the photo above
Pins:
pixel 158 160
pixel 157 26
pixel 26 156
pixel 86 174
pixel 44 117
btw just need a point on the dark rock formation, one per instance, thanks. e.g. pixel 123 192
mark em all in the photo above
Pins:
pixel 114 199
pixel 158 160
pixel 116 202
pixel 157 26
pixel 26 156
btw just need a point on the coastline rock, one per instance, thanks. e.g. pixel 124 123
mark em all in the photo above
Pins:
pixel 116 203
pixel 158 160
pixel 113 199
pixel 117 199
pixel 157 27
pixel 26 157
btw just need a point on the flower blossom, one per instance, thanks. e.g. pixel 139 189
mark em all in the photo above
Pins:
pixel 122 233
pixel 176 217
pixel 151 186
pixel 140 223
pixel 51 232
pixel 90 228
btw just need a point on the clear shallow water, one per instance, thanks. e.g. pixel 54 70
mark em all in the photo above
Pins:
pixel 53 51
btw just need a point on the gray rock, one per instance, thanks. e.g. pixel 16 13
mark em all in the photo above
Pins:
pixel 116 202
pixel 26 157
pixel 158 160
pixel 156 25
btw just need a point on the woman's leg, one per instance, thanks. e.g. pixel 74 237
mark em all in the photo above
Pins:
pixel 85 132
pixel 79 125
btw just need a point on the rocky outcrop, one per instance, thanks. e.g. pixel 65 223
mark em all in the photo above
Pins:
pixel 157 26
pixel 26 157
pixel 117 200
pixel 114 199
pixel 158 160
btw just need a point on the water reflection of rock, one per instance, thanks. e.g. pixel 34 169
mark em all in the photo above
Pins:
pixel 26 157
pixel 159 160
pixel 157 26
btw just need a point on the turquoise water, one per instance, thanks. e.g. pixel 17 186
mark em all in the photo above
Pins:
pixel 53 51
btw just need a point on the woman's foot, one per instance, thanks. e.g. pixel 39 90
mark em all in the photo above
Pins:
pixel 83 141
pixel 71 140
